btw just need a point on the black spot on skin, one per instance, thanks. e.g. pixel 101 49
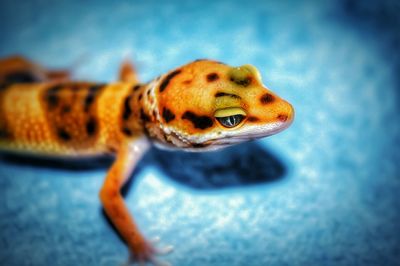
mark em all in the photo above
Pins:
pixel 4 86
pixel 136 87
pixel 127 108
pixel 140 97
pixel 148 93
pixel 242 82
pixel 267 98
pixel 212 77
pixel 91 126
pixel 201 122
pixel 253 119
pixel 167 79
pixel 66 109
pixel 144 117
pixel 127 131
pixel 222 94
pixel 4 134
pixel 92 93
pixel 21 77
pixel 112 149
pixel 52 96
pixel 168 115
pixel 64 135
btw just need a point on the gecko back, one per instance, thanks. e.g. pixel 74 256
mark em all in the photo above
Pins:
pixel 42 112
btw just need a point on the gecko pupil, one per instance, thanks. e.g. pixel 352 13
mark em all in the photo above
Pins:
pixel 230 121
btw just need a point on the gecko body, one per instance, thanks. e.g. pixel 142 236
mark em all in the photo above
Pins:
pixel 201 106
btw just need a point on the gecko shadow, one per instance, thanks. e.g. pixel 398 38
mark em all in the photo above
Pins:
pixel 237 166
pixel 240 165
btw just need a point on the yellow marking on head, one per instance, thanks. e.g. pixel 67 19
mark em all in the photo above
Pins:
pixel 244 75
pixel 227 101
pixel 229 111
pixel 253 71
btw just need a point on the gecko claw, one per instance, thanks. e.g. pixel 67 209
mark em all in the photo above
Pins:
pixel 147 253
pixel 165 250
pixel 155 240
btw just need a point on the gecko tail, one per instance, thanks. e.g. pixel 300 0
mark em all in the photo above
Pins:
pixel 18 69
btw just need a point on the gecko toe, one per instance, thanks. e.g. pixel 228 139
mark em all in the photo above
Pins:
pixel 155 240
pixel 148 254
pixel 165 250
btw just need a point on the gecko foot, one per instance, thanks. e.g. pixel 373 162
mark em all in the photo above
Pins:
pixel 146 252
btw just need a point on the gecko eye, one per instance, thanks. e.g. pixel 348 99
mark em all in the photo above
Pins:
pixel 230 121
pixel 230 117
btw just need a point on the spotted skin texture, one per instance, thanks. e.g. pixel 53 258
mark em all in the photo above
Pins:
pixel 71 112
pixel 198 121
pixel 182 109
pixel 5 133
pixel 168 115
pixel 167 79
pixel 25 120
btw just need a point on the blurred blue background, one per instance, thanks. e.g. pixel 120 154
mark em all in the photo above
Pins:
pixel 323 192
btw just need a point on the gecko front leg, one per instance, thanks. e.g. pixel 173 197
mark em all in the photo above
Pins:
pixel 127 158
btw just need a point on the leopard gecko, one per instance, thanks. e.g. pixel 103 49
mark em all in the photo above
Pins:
pixel 201 106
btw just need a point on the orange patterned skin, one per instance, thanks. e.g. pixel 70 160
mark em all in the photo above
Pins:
pixel 204 105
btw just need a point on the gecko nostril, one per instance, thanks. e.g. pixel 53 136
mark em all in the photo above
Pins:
pixel 282 117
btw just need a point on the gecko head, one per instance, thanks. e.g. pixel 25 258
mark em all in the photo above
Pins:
pixel 206 105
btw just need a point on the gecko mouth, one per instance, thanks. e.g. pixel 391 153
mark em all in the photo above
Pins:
pixel 252 133
pixel 214 141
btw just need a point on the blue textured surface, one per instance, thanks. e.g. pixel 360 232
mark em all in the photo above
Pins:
pixel 324 192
